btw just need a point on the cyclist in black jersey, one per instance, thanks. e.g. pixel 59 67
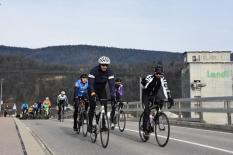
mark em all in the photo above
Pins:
pixel 98 78
pixel 151 85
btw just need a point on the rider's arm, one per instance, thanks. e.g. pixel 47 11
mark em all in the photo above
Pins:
pixel 91 80
pixel 111 83
pixel 164 85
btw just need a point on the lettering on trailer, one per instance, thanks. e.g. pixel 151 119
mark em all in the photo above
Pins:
pixel 224 74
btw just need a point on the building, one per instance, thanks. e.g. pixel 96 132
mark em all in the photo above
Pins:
pixel 207 74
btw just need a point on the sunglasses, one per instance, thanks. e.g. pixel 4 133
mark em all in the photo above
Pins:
pixel 104 65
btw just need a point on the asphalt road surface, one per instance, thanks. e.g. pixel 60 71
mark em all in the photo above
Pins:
pixel 61 139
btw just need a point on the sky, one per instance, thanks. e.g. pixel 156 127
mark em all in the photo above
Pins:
pixel 168 25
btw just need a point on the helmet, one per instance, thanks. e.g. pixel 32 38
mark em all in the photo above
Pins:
pixel 47 98
pixel 118 81
pixel 158 69
pixel 63 92
pixel 84 76
pixel 104 60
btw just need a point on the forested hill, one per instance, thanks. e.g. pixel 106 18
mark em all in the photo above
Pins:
pixel 82 54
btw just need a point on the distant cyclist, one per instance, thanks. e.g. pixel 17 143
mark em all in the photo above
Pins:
pixel 81 89
pixel 151 85
pixel 119 91
pixel 62 101
pixel 46 105
pixel 98 78
pixel 24 107
pixel 35 108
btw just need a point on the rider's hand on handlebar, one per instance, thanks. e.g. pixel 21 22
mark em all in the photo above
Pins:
pixel 171 101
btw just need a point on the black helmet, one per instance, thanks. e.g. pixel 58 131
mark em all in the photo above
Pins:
pixel 118 80
pixel 158 69
pixel 84 76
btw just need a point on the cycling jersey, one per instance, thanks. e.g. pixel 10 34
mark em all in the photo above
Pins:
pixel 24 106
pixel 81 89
pixel 30 110
pixel 62 99
pixel 152 83
pixel 98 79
pixel 47 102
pixel 119 90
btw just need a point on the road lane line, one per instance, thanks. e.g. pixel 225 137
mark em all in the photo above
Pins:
pixel 193 143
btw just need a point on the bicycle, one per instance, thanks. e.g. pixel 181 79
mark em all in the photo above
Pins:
pixel 82 117
pixel 119 117
pixel 158 123
pixel 100 117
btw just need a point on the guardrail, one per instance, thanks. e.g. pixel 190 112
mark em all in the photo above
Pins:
pixel 185 105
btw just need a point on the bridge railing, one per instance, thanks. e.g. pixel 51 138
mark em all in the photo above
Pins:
pixel 192 108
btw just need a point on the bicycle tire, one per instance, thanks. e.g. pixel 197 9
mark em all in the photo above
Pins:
pixel 121 116
pixel 84 123
pixel 103 133
pixel 158 127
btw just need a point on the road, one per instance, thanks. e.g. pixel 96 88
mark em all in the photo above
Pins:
pixel 61 139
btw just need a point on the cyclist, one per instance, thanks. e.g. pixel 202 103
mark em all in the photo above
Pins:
pixel 81 89
pixel 24 107
pixel 39 106
pixel 35 109
pixel 98 78
pixel 119 91
pixel 151 85
pixel 62 101
pixel 46 105
pixel 30 111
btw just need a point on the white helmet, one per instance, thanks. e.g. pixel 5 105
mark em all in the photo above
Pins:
pixel 104 60
pixel 63 92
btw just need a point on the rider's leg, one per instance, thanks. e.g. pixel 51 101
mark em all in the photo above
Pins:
pixel 91 112
pixel 59 112
pixel 113 112
pixel 75 114
pixel 103 95
pixel 145 100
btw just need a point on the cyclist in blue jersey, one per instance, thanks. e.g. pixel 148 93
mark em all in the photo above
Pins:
pixel 81 89
pixel 24 107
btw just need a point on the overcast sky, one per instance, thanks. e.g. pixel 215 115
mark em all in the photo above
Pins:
pixel 171 25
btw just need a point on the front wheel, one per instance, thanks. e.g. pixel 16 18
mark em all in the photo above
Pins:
pixel 121 120
pixel 104 130
pixel 162 129
pixel 84 123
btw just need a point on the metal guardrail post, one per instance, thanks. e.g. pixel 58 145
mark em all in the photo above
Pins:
pixel 201 113
pixel 229 113
pixel 179 107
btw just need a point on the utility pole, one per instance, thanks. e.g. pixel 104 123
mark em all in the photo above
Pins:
pixel 1 102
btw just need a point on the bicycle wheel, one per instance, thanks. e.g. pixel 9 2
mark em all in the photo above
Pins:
pixel 104 130
pixel 84 123
pixel 162 129
pixel 93 134
pixel 121 120
pixel 142 135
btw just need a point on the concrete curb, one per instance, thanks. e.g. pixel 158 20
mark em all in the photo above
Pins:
pixel 33 144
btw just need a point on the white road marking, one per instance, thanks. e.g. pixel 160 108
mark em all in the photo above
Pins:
pixel 193 143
